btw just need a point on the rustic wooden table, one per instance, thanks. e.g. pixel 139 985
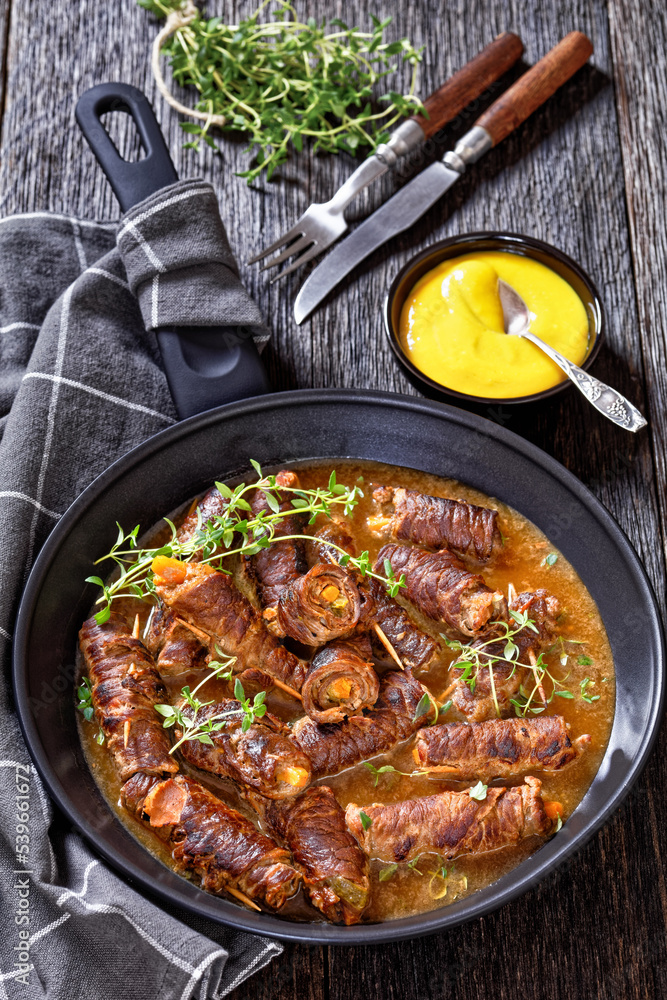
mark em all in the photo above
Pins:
pixel 585 173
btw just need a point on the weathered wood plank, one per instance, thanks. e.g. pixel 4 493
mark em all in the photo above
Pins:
pixel 639 77
pixel 4 26
pixel 561 178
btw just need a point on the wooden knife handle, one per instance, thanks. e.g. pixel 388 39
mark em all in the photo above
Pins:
pixel 536 86
pixel 469 82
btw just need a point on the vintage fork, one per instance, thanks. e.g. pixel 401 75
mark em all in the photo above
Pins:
pixel 322 224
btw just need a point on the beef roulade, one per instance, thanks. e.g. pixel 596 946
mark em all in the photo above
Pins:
pixel 263 757
pixel 451 823
pixel 341 680
pixel 125 687
pixel 443 589
pixel 334 868
pixel 322 605
pixel 212 840
pixel 438 522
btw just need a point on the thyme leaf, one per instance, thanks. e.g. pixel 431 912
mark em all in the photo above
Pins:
pixel 86 707
pixel 387 873
pixel 478 791
pixel 366 821
pixel 389 769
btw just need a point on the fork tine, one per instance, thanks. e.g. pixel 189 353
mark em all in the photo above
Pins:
pixel 291 234
pixel 306 256
pixel 293 248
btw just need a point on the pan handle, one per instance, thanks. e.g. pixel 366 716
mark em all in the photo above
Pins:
pixel 205 366
pixel 130 182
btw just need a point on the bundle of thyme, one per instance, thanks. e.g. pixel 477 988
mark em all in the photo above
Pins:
pixel 283 80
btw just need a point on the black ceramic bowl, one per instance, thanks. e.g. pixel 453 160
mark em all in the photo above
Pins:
pixel 525 246
pixel 298 426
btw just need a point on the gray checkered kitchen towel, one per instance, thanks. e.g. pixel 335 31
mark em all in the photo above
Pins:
pixel 81 384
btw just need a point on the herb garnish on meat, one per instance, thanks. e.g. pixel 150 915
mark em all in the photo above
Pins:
pixel 214 541
pixel 474 659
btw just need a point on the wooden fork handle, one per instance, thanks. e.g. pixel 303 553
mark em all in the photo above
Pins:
pixel 536 86
pixel 469 82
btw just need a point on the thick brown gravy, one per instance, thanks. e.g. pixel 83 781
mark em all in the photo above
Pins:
pixel 413 889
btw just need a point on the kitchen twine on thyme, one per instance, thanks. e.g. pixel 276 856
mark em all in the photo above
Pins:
pixel 176 20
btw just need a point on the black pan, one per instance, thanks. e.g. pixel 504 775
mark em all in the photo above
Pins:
pixel 328 424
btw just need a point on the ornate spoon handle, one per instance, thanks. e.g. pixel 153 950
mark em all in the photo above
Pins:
pixel 608 401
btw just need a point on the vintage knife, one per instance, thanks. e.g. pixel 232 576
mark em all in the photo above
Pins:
pixel 412 201
pixel 322 224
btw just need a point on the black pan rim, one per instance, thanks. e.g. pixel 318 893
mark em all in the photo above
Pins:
pixel 510 886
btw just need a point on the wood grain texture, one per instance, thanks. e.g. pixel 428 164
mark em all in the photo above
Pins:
pixel 469 83
pixel 4 30
pixel 536 86
pixel 585 173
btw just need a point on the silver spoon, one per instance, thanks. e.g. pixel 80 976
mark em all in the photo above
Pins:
pixel 608 401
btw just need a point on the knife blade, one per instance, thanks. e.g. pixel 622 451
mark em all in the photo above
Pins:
pixel 396 215
pixel 324 222
pixel 402 210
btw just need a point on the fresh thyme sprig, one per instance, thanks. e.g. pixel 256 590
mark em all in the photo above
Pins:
pixel 441 880
pixel 192 727
pixel 85 706
pixel 283 81
pixel 476 658
pixel 215 540
pixel 389 769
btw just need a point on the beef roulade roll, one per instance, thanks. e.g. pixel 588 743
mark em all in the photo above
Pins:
pixel 323 605
pixel 211 602
pixel 497 685
pixel 451 823
pixel 334 868
pixel 341 680
pixel 125 687
pixel 212 840
pixel 497 748
pixel 443 589
pixel 437 522
pixel 264 757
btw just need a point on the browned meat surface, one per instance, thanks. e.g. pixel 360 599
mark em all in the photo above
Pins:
pixel 414 647
pixel 211 602
pixel 282 563
pixel 476 701
pixel 211 840
pixel 441 523
pixel 264 757
pixel 443 589
pixel 451 823
pixel 125 688
pixel 333 747
pixel 175 647
pixel 211 505
pixel 334 868
pixel 341 680
pixel 498 748
pixel 336 533
pixel 322 605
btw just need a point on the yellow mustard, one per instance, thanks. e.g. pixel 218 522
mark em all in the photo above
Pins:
pixel 451 325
